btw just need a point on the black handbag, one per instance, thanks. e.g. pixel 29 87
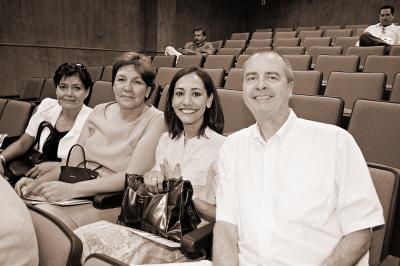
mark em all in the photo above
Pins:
pixel 74 174
pixel 170 214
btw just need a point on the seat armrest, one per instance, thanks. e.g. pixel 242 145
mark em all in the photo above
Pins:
pixel 198 239
pixel 108 200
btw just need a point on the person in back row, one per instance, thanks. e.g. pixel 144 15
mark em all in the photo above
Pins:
pixel 66 115
pixel 189 150
pixel 199 46
pixel 291 191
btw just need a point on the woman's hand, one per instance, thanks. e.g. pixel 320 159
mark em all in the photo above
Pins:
pixel 56 191
pixel 169 172
pixel 26 186
pixel 154 181
pixel 42 168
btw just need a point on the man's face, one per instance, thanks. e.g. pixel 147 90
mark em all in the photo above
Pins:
pixel 199 38
pixel 266 90
pixel 386 17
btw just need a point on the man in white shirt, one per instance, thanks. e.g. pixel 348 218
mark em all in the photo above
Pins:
pixel 383 33
pixel 291 191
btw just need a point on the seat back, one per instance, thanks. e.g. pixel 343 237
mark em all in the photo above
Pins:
pixel 299 62
pixel 217 76
pixel 33 89
pixel 219 61
pixel 284 34
pixel 253 50
pixel 58 245
pixel 261 35
pixel 287 42
pixel 263 30
pixel 230 51
pixel 315 51
pixel 15 117
pixel 283 50
pixel 329 63
pixel 235 44
pixel 334 33
pixel 217 44
pixel 327 110
pixel 165 74
pixel 353 86
pixel 241 60
pixel 376 128
pixel 307 82
pixel 358 32
pixel 395 93
pixel 316 41
pixel 260 43
pixel 236 113
pixel 390 65
pixel 346 42
pixel 107 74
pixel 95 72
pixel 189 60
pixel 240 36
pixel 330 27
pixel 3 103
pixel 163 99
pixel 305 28
pixel 49 89
pixel 234 80
pixel 283 29
pixel 365 51
pixel 386 182
pixel 309 33
pixel 164 61
pixel 395 50
pixel 102 92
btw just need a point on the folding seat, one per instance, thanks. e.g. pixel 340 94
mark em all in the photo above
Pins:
pixel 286 42
pixel 395 93
pixel 235 44
pixel 219 61
pixel 3 103
pixel 107 74
pixel 356 26
pixel 316 41
pixel 263 30
pixel 309 33
pixel 260 43
pixel 253 50
pixel 330 27
pixel 395 50
pixel 346 42
pixel 163 99
pixel 358 32
pixel 189 60
pixel 329 63
pixel 283 29
pixel 241 59
pixel 353 86
pixel 236 113
pixel 285 34
pixel 217 76
pixel 338 33
pixel 57 244
pixel 390 65
pixel 375 126
pixel 165 74
pixel 261 35
pixel 305 28
pixel 234 80
pixel 95 72
pixel 315 51
pixel 298 50
pixel 365 51
pixel 317 108
pixel 240 36
pixel 49 89
pixel 230 51
pixel 164 61
pixel 15 117
pixel 299 62
pixel 307 82
pixel 217 44
pixel 33 89
pixel 386 182
pixel 102 92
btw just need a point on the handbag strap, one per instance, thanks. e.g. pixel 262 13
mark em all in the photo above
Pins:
pixel 83 153
pixel 42 126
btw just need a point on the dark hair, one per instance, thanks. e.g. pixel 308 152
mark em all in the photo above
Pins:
pixel 388 7
pixel 213 116
pixel 143 67
pixel 71 69
pixel 201 29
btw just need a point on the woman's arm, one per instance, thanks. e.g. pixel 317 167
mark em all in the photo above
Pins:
pixel 205 209
pixel 16 149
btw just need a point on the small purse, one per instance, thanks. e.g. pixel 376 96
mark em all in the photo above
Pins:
pixel 74 174
pixel 170 214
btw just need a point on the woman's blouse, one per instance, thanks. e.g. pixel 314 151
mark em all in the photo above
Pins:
pixel 197 158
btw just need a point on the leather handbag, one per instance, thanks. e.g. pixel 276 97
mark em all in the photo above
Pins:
pixel 170 214
pixel 74 174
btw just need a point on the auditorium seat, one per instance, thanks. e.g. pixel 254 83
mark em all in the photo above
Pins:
pixel 219 61
pixel 395 50
pixel 358 32
pixel 163 99
pixel 95 72
pixel 261 35
pixel 329 63
pixel 15 117
pixel 107 73
pixel 33 89
pixel 298 50
pixel 346 42
pixel 234 80
pixel 316 51
pixel 190 60
pixel 283 29
pixel 299 62
pixel 307 82
pixel 390 65
pixel 338 33
pixel 165 74
pixel 329 27
pixel 286 42
pixel 395 93
pixel 305 28
pixel 240 36
pixel 354 27
pixel 49 90
pixel 102 92
pixel 230 51
pixel 317 108
pixel 164 61
pixel 217 44
pixel 235 44
pixel 264 30
pixel 365 51
pixel 353 86
pixel 260 43
pixel 253 50
pixel 3 103
pixel 241 59
pixel 309 33
pixel 285 34
pixel 316 41
pixel 217 76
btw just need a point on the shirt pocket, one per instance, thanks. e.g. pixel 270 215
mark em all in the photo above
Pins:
pixel 196 170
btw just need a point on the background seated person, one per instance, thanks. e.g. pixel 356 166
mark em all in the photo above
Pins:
pixel 119 137
pixel 67 114
pixel 190 150
pixel 199 46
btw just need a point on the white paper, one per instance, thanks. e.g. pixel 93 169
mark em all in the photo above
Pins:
pixel 158 239
pixel 33 199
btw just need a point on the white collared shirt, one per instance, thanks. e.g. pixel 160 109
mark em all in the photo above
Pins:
pixel 49 110
pixel 389 34
pixel 296 195
pixel 197 158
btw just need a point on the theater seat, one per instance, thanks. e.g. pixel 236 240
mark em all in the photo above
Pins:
pixel 15 117
pixel 307 82
pixel 219 61
pixel 234 80
pixel 102 92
